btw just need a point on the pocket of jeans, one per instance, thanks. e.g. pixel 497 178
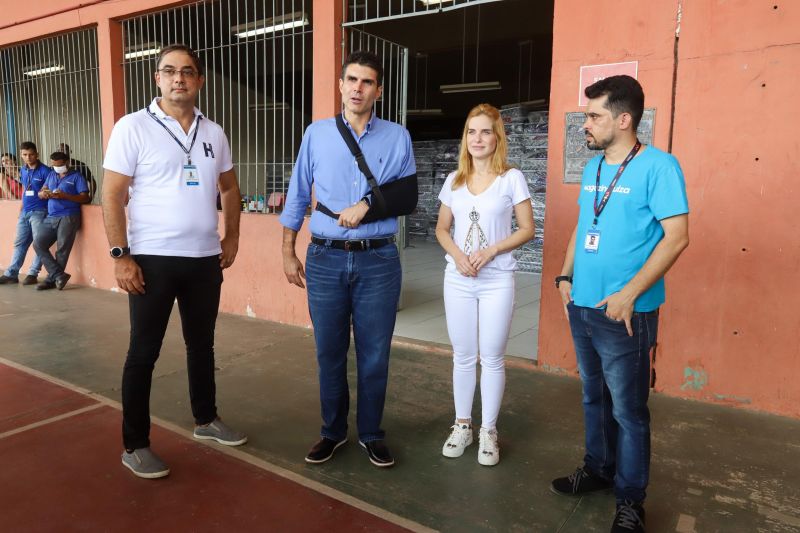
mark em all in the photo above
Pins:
pixel 314 250
pixel 388 252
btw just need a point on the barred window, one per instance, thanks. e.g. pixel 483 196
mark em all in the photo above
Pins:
pixel 51 96
pixel 257 57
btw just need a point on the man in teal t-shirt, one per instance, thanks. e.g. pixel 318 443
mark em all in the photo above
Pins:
pixel 65 190
pixel 632 226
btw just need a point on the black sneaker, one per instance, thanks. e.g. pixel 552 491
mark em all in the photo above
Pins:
pixel 45 285
pixel 378 453
pixel 323 450
pixel 580 482
pixel 30 279
pixel 629 518
pixel 8 279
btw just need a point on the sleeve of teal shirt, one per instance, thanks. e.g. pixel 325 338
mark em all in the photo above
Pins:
pixel 667 190
pixel 298 197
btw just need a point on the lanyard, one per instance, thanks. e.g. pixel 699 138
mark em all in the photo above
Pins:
pixel 598 208
pixel 194 138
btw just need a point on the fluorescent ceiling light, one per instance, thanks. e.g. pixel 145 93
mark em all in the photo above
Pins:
pixel 40 71
pixel 270 106
pixel 434 2
pixel 143 50
pixel 470 87
pixel 276 24
pixel 424 112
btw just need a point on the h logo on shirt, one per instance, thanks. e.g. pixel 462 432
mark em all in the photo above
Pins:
pixel 208 150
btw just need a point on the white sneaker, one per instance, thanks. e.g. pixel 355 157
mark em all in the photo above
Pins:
pixel 489 451
pixel 460 437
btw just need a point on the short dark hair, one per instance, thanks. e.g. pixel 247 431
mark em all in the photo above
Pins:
pixel 625 95
pixel 59 156
pixel 181 48
pixel 28 145
pixel 10 156
pixel 365 59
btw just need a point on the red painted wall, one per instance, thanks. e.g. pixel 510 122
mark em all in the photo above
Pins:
pixel 728 330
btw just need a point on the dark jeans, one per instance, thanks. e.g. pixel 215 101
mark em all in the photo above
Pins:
pixel 59 230
pixel 196 283
pixel 364 286
pixel 615 370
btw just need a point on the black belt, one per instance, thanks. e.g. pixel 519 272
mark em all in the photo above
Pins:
pixel 359 245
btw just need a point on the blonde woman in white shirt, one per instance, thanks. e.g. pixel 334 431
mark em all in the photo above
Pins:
pixel 478 201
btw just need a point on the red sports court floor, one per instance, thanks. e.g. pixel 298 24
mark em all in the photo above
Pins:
pixel 60 451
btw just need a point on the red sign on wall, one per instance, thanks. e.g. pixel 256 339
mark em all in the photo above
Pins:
pixel 593 73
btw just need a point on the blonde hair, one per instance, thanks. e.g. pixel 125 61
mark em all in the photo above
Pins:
pixel 499 163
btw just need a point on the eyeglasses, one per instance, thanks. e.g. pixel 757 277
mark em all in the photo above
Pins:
pixel 187 73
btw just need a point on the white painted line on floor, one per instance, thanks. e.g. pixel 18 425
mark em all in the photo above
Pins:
pixel 696 492
pixel 226 450
pixel 41 423
pixel 685 524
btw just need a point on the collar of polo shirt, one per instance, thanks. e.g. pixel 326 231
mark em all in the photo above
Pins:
pixel 156 109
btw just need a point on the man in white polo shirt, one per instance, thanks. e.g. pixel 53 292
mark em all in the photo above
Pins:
pixel 172 161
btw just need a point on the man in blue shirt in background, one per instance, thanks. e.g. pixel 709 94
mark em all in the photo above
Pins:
pixel 352 269
pixel 65 190
pixel 633 224
pixel 32 213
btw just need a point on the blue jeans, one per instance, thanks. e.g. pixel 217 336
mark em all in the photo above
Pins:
pixel 364 286
pixel 615 370
pixel 27 228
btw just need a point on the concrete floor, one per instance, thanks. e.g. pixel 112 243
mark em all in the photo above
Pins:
pixel 422 315
pixel 714 468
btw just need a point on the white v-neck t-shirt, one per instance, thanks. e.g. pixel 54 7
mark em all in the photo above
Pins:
pixel 484 219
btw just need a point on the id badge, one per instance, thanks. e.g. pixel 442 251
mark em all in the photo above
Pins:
pixel 29 193
pixel 592 242
pixel 190 175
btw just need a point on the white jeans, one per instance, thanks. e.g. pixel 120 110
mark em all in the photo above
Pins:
pixel 478 321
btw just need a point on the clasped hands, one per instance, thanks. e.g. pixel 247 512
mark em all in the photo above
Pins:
pixel 469 265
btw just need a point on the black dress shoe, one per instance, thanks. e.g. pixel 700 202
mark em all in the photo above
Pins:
pixel 45 285
pixel 30 279
pixel 323 450
pixel 378 453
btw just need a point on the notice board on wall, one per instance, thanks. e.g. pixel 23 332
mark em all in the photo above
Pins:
pixel 576 154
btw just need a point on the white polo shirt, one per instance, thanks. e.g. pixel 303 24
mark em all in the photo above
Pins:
pixel 168 214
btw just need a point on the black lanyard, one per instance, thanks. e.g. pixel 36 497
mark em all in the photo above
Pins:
pixel 598 208
pixel 194 138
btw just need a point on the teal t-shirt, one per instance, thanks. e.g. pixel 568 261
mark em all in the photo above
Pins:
pixel 651 189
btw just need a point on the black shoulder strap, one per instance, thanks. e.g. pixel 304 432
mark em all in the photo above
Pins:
pixel 377 196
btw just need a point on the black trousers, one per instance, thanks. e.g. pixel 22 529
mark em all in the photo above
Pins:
pixel 195 283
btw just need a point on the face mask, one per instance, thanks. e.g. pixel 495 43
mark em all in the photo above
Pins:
pixel 60 170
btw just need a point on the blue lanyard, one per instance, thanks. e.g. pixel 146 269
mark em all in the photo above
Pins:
pixel 194 138
pixel 598 208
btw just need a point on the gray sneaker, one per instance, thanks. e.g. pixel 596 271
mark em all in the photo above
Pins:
pixel 220 432
pixel 144 463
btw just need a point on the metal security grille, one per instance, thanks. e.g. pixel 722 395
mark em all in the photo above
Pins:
pixel 394 57
pixel 360 12
pixel 50 95
pixel 257 86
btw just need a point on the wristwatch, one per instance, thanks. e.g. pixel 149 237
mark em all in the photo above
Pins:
pixel 559 279
pixel 119 251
